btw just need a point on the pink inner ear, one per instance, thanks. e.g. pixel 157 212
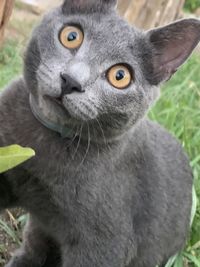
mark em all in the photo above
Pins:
pixel 173 44
pixel 176 52
pixel 173 57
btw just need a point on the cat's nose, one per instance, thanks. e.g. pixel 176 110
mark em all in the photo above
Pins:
pixel 69 85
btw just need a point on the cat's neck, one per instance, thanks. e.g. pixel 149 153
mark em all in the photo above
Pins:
pixel 96 131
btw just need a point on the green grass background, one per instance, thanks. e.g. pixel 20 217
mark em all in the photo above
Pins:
pixel 178 110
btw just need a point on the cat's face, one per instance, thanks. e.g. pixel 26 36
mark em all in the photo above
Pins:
pixel 85 65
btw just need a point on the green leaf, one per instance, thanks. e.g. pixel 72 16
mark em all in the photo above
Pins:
pixel 171 261
pixel 14 155
pixel 193 259
pixel 179 261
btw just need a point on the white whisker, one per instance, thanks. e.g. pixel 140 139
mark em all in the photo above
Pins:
pixel 78 144
pixel 87 150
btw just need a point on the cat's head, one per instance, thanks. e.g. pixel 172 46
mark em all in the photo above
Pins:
pixel 85 66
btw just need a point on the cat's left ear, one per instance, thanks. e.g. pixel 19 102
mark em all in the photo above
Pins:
pixel 88 5
pixel 170 47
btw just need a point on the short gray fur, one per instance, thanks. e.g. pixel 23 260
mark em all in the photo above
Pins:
pixel 118 193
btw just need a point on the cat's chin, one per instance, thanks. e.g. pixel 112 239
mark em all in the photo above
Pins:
pixel 79 115
pixel 80 110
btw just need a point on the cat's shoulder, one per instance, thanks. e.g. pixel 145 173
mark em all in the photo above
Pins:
pixel 15 91
pixel 14 100
pixel 158 153
pixel 157 142
pixel 152 131
pixel 14 107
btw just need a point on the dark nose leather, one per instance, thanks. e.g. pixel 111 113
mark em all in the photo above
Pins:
pixel 69 85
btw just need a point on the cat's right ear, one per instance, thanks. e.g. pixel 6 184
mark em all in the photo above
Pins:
pixel 88 5
pixel 170 46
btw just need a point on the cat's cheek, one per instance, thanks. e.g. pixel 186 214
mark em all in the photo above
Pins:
pixel 116 99
pixel 48 79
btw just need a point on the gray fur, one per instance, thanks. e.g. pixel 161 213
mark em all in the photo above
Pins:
pixel 118 194
pixel 88 6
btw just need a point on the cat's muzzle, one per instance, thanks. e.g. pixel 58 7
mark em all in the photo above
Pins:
pixel 69 85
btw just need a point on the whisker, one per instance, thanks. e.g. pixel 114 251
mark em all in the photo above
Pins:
pixel 96 142
pixel 103 134
pixel 105 140
pixel 73 139
pixel 76 150
pixel 87 150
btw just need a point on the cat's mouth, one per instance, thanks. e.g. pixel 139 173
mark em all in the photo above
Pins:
pixel 58 104
pixel 56 100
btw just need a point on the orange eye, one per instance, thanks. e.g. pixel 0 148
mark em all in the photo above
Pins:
pixel 71 37
pixel 119 76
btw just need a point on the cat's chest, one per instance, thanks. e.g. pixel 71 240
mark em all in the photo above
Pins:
pixel 81 178
pixel 64 158
pixel 85 185
pixel 56 165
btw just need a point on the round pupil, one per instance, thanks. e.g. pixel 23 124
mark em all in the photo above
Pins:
pixel 72 36
pixel 120 75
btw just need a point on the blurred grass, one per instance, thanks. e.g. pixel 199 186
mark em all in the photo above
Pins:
pixel 10 62
pixel 191 5
pixel 178 110
pixel 11 54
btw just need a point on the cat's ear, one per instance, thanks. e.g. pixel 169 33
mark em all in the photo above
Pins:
pixel 171 46
pixel 88 5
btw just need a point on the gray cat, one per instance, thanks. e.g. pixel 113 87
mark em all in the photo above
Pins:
pixel 108 187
